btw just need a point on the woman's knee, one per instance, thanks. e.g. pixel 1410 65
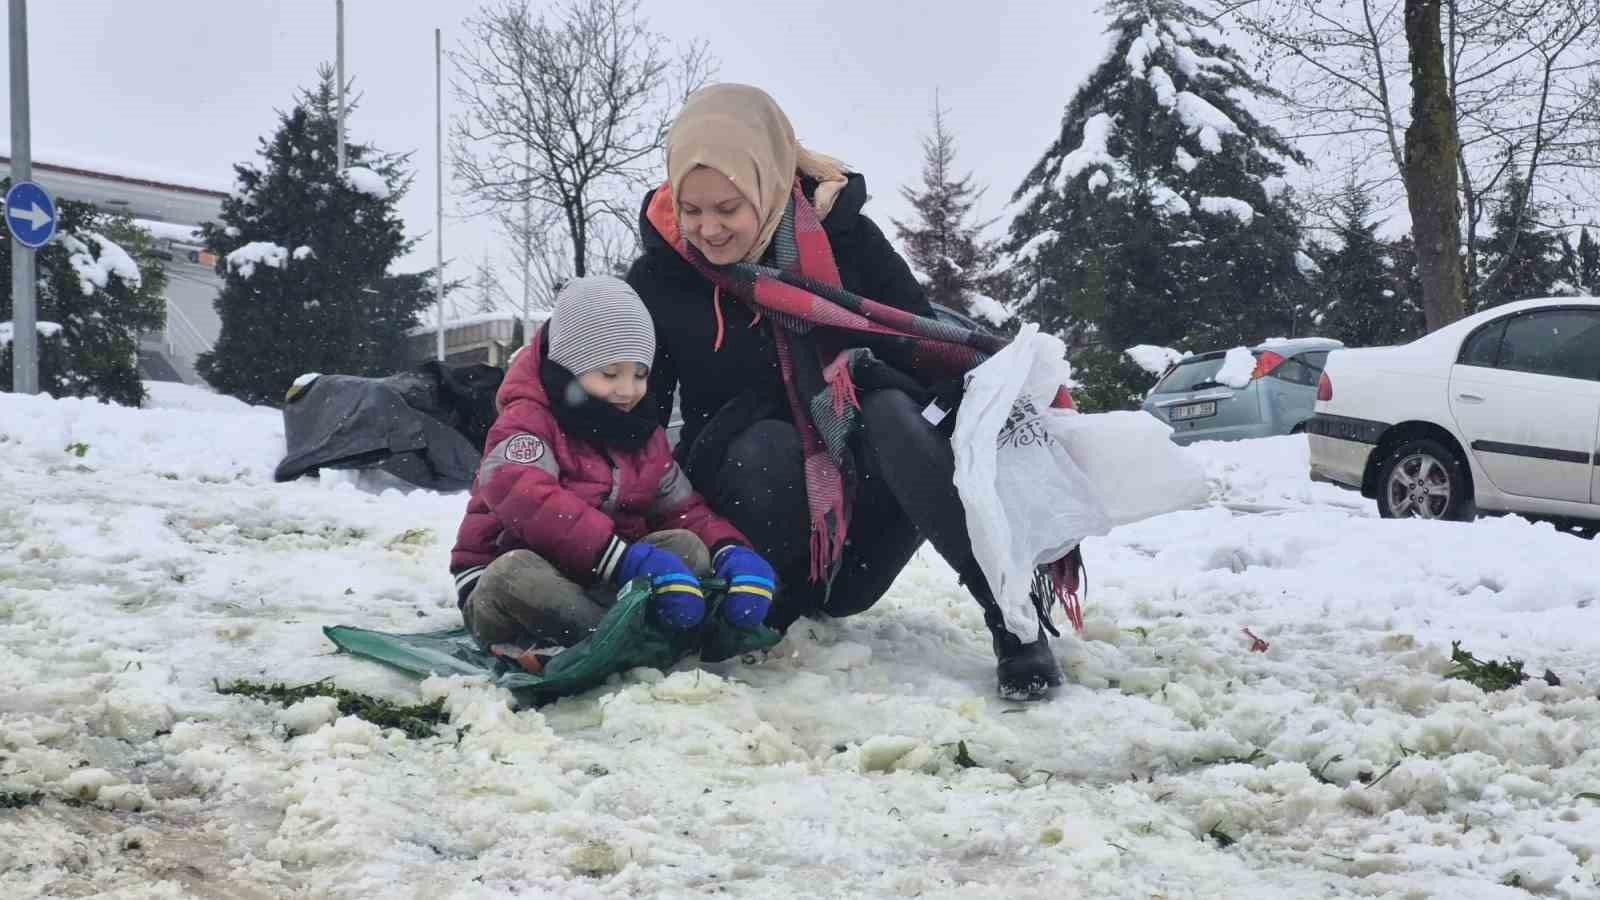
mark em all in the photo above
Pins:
pixel 763 460
pixel 764 443
pixel 890 405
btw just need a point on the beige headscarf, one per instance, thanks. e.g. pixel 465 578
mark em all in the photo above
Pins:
pixel 739 131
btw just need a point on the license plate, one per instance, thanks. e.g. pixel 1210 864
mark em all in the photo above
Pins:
pixel 1194 411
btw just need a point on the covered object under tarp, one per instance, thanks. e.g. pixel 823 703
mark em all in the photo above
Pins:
pixel 426 426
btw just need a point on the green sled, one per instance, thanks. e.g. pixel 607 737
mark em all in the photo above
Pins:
pixel 627 637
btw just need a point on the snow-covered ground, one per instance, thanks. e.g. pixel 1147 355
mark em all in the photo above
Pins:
pixel 145 554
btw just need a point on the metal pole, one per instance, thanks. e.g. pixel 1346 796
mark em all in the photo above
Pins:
pixel 24 317
pixel 438 200
pixel 527 249
pixel 339 68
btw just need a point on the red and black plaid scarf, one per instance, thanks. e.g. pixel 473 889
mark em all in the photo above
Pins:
pixel 822 331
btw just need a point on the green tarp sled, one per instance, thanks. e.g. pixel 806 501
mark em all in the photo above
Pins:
pixel 628 637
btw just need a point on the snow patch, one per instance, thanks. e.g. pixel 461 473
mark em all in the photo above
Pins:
pixel 367 182
pixel 246 258
pixel 1037 242
pixel 1168 202
pixel 302 252
pixel 1185 160
pixel 1166 91
pixel 1153 359
pixel 1198 115
pixel 1098 180
pixel 1306 264
pixel 1237 367
pixel 45 329
pixel 194 398
pixel 988 309
pixel 1141 48
pixel 95 272
pixel 1092 152
pixel 167 231
pixel 1229 206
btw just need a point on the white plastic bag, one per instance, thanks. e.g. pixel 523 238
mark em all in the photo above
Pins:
pixel 1027 502
pixel 1134 469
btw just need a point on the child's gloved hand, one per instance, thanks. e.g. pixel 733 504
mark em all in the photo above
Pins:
pixel 676 593
pixel 750 585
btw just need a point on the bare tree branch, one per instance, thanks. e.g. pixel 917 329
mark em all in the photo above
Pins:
pixel 566 111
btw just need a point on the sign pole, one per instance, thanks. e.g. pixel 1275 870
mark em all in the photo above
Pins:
pixel 24 318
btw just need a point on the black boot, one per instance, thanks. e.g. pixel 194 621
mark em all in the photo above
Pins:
pixel 1023 671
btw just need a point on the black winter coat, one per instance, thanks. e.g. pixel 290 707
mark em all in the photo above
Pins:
pixel 746 366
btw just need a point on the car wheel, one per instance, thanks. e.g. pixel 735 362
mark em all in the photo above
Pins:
pixel 1298 429
pixel 1423 479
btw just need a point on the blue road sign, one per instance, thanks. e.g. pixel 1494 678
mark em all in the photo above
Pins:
pixel 31 214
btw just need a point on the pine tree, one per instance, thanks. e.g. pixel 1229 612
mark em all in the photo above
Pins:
pixel 946 246
pixel 1519 261
pixel 305 254
pixel 1360 303
pixel 1149 219
pixel 1412 320
pixel 1569 274
pixel 1588 263
pixel 100 286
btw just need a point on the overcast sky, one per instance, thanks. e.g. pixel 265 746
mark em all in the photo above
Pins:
pixel 185 87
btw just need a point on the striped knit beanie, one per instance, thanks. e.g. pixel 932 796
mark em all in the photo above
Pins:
pixel 599 320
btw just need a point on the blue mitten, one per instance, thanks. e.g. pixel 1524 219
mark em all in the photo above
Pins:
pixel 676 593
pixel 750 586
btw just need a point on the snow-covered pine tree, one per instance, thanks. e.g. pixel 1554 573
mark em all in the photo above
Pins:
pixel 1359 299
pixel 1520 260
pixel 1151 219
pixel 945 243
pixel 100 287
pixel 305 254
pixel 1588 263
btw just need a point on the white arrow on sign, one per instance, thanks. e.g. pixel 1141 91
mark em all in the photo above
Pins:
pixel 35 216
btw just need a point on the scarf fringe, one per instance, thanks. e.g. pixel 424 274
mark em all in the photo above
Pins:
pixel 841 386
pixel 827 546
pixel 1064 583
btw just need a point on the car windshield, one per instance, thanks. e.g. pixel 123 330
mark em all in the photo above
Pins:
pixel 1191 375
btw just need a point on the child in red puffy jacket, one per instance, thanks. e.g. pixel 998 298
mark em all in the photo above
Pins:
pixel 578 492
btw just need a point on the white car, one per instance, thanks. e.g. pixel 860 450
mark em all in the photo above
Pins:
pixel 1499 413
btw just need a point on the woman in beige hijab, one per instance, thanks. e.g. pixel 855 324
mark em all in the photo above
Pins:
pixel 838 527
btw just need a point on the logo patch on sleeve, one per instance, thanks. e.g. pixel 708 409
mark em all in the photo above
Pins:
pixel 526 449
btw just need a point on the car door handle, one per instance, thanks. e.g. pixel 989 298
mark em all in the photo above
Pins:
pixel 1469 398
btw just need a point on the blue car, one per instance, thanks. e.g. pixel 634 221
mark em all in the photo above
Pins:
pixel 1279 398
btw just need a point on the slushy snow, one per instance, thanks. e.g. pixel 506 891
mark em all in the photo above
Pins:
pixel 165 558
